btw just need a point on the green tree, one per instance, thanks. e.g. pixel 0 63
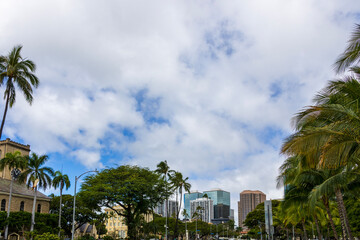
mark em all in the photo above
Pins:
pixel 330 130
pixel 36 177
pixel 351 55
pixel 60 180
pixel 136 190
pixel 20 222
pixel 86 212
pixel 14 69
pixel 297 172
pixel 11 161
pixel 179 183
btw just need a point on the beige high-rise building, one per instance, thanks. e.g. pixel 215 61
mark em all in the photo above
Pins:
pixel 248 202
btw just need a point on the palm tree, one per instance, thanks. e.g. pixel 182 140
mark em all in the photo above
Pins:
pixel 197 216
pixel 295 171
pixel 60 180
pixel 164 169
pixel 12 161
pixel 179 183
pixel 186 216
pixel 16 69
pixel 351 54
pixel 330 129
pixel 36 177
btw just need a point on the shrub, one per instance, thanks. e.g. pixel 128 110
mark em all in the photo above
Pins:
pixel 86 237
pixel 108 238
pixel 47 236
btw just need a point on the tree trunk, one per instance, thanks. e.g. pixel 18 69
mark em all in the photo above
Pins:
pixel 5 111
pixel 304 229
pixel 177 213
pixel 8 210
pixel 318 228
pixel 327 207
pixel 60 209
pixel 287 233
pixel 33 211
pixel 343 216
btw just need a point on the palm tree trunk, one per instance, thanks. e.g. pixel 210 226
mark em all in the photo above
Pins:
pixel 8 210
pixel 318 228
pixel 33 211
pixel 177 213
pixel 327 207
pixel 343 226
pixel 60 210
pixel 5 111
pixel 287 233
pixel 304 229
pixel 341 206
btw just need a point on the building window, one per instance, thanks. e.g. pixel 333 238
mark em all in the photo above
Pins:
pixel 22 205
pixel 3 205
pixel 39 208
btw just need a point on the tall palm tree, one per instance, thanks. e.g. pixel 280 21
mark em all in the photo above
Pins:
pixel 12 161
pixel 179 183
pixel 351 55
pixel 60 180
pixel 36 177
pixel 16 70
pixel 331 128
pixel 164 169
pixel 186 216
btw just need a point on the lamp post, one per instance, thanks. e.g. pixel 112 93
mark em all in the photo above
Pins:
pixel 217 234
pixel 73 220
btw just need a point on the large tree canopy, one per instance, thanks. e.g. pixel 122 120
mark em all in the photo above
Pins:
pixel 137 190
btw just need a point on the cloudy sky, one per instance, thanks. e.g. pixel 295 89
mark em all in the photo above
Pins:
pixel 210 86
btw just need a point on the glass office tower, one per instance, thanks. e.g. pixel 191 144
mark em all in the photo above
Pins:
pixel 219 196
pixel 188 197
pixel 221 200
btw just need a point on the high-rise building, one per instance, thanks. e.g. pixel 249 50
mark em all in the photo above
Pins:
pixel 219 196
pixel 248 202
pixel 221 211
pixel 231 217
pixel 160 208
pixel 204 207
pixel 188 197
pixel 221 200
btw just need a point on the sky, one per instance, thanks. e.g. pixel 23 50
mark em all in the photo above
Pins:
pixel 209 86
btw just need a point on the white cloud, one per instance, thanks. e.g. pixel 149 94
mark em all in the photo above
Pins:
pixel 224 77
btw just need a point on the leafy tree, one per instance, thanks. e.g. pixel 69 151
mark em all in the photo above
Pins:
pixel 47 236
pixel 14 69
pixel 20 222
pixel 60 180
pixel 11 161
pixel 36 177
pixel 136 190
pixel 86 213
pixel 353 204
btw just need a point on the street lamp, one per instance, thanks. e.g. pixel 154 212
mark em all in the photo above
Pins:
pixel 73 220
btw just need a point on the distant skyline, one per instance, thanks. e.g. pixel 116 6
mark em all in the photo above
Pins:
pixel 209 86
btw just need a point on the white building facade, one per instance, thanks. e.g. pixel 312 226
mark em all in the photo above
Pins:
pixel 204 207
pixel 160 208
